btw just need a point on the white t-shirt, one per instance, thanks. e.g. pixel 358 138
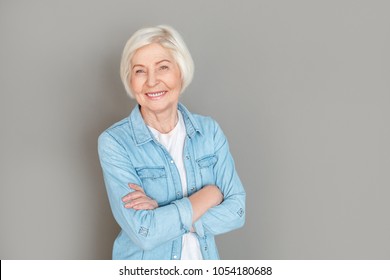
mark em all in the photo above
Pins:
pixel 173 141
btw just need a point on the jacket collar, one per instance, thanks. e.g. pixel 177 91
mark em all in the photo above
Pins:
pixel 141 133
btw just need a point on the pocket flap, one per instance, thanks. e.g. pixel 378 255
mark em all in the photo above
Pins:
pixel 207 161
pixel 151 172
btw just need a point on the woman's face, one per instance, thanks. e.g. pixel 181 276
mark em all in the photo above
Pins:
pixel 155 79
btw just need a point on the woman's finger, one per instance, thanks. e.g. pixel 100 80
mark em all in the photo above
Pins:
pixel 142 203
pixel 136 187
pixel 144 206
pixel 137 192
pixel 133 195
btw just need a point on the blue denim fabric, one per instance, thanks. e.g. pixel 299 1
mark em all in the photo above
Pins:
pixel 129 154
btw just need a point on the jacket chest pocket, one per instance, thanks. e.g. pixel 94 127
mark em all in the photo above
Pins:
pixel 154 183
pixel 206 167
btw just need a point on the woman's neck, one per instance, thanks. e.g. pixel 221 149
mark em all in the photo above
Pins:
pixel 164 121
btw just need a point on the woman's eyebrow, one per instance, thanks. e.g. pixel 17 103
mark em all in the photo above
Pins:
pixel 135 65
pixel 158 62
pixel 164 60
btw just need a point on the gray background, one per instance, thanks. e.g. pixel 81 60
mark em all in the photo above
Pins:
pixel 301 89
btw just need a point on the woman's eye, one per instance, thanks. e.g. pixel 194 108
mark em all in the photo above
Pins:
pixel 164 67
pixel 139 71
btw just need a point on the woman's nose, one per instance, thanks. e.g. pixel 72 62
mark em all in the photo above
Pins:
pixel 152 80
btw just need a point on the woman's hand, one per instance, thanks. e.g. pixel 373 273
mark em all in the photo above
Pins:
pixel 138 200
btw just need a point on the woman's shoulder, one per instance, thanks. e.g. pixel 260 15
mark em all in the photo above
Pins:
pixel 119 131
pixel 199 120
pixel 118 127
pixel 207 125
pixel 204 118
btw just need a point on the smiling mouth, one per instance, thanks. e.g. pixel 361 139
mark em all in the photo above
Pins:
pixel 156 94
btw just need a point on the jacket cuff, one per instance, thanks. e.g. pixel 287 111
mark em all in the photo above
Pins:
pixel 198 226
pixel 185 211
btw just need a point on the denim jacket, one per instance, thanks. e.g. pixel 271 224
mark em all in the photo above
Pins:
pixel 129 153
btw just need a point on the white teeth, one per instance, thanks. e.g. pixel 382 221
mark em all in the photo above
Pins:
pixel 156 94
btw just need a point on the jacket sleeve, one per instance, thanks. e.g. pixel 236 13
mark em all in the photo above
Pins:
pixel 146 228
pixel 230 214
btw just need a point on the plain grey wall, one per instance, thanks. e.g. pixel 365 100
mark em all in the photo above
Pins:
pixel 301 89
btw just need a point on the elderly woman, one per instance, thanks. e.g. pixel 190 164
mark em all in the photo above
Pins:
pixel 170 177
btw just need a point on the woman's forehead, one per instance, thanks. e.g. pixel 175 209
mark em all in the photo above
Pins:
pixel 151 53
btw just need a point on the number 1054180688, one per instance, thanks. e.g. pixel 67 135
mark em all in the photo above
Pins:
pixel 231 270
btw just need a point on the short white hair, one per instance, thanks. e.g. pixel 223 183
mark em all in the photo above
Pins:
pixel 167 37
